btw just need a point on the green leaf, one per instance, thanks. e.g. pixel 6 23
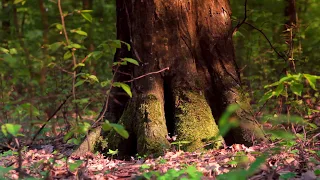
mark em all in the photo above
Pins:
pixel 111 152
pixel 84 128
pixel 82 33
pixel 78 65
pixel 124 86
pixel 86 16
pixel 127 44
pixel 95 55
pixel 120 130
pixel 79 83
pixel 67 55
pixel 312 80
pixel 267 96
pixel 4 130
pixel 59 26
pixel 13 51
pixel 132 61
pixel 281 134
pixel 279 89
pixel 93 78
pixel 106 126
pixel 75 165
pixel 18 1
pixel 6 51
pixel 68 136
pixel 54 47
pixel 225 123
pixel 86 11
pixel 105 83
pixel 12 129
pixel 296 88
pixel 74 45
pixel 288 175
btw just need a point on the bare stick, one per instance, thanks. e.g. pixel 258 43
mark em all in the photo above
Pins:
pixel 148 74
pixel 244 18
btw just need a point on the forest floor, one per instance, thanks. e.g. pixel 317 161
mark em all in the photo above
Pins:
pixel 264 161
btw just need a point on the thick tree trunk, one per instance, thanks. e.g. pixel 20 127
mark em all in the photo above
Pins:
pixel 194 39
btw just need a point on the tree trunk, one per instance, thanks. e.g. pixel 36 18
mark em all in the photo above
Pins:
pixel 194 39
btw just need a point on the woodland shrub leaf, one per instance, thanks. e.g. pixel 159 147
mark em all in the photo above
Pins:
pixel 132 61
pixel 120 130
pixel 124 86
pixel 312 80
pixel 12 129
pixel 87 16
pixel 296 88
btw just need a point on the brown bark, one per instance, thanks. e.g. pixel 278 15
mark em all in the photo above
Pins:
pixel 194 39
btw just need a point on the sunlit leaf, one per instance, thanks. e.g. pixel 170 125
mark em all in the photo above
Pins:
pixel 86 11
pixel 95 55
pixel 74 45
pixel 67 55
pixel 12 129
pixel 267 96
pixel 124 86
pixel 80 32
pixel 87 16
pixel 106 126
pixel 111 152
pixel 296 88
pixel 132 61
pixel 312 80
pixel 120 130
pixel 279 89
pixel 79 83
pixel 6 51
pixel 54 47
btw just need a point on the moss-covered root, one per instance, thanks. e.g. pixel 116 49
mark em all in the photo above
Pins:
pixel 194 120
pixel 152 130
pixel 88 144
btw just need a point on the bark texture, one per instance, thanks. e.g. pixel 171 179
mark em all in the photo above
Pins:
pixel 194 39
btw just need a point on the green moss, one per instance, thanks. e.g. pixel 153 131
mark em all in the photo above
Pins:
pixel 152 128
pixel 194 120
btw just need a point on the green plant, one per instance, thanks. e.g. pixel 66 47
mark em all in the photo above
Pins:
pixel 190 172
pixel 180 143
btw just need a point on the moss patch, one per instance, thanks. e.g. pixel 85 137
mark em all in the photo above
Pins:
pixel 152 128
pixel 194 120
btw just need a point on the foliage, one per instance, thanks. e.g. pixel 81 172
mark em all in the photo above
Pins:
pixel 188 173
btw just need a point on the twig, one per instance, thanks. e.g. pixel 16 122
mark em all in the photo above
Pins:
pixel 265 36
pixel 105 105
pixel 244 18
pixel 55 112
pixel 148 74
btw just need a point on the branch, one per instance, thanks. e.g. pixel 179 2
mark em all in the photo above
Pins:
pixel 244 18
pixel 55 112
pixel 148 74
pixel 265 36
